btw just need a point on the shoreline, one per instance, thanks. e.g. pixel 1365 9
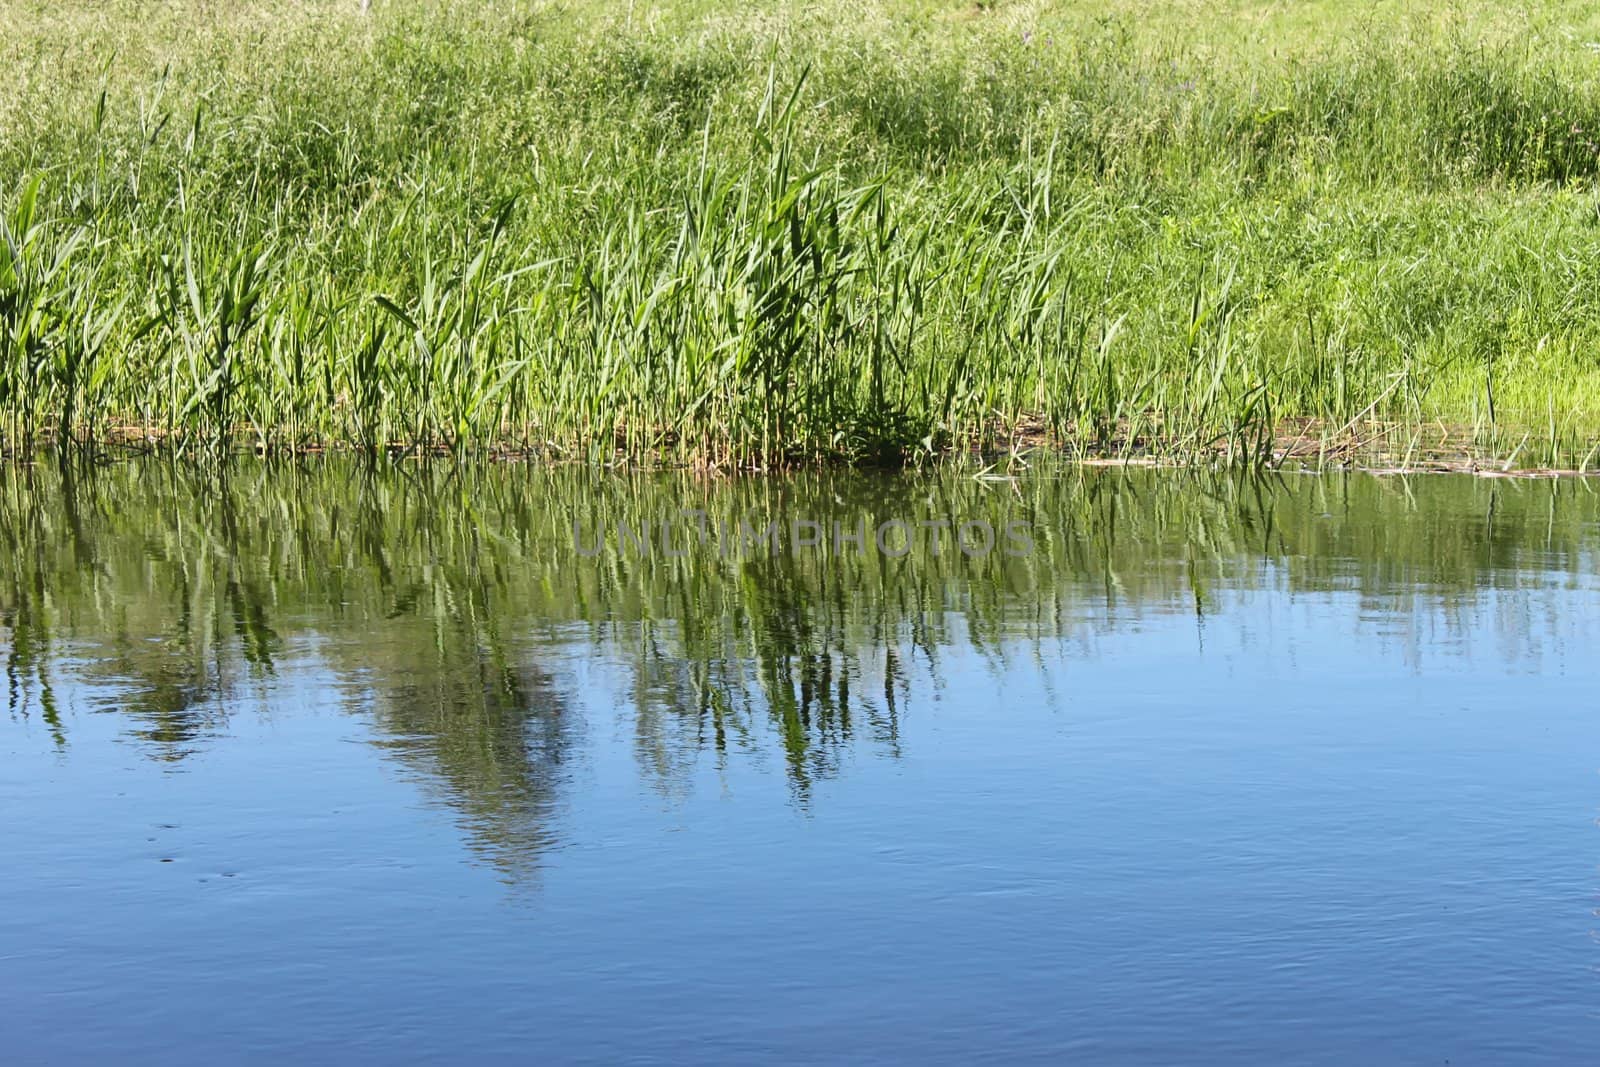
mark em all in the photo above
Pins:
pixel 1452 451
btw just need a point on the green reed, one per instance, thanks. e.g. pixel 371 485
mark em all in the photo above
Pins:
pixel 717 237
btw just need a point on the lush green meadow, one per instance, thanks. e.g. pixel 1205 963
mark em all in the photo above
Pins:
pixel 741 234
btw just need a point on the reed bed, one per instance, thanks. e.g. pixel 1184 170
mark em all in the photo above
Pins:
pixel 708 235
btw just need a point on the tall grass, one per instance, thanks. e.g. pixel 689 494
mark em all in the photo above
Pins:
pixel 703 235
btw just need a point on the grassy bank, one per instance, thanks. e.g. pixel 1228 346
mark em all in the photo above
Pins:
pixel 705 232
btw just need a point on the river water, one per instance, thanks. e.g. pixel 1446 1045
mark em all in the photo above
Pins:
pixel 512 764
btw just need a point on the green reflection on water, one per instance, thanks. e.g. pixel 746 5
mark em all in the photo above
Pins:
pixel 444 601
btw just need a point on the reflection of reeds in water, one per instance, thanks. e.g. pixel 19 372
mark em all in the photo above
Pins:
pixel 444 597
pixel 489 733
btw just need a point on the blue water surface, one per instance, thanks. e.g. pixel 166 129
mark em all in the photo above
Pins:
pixel 1206 788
